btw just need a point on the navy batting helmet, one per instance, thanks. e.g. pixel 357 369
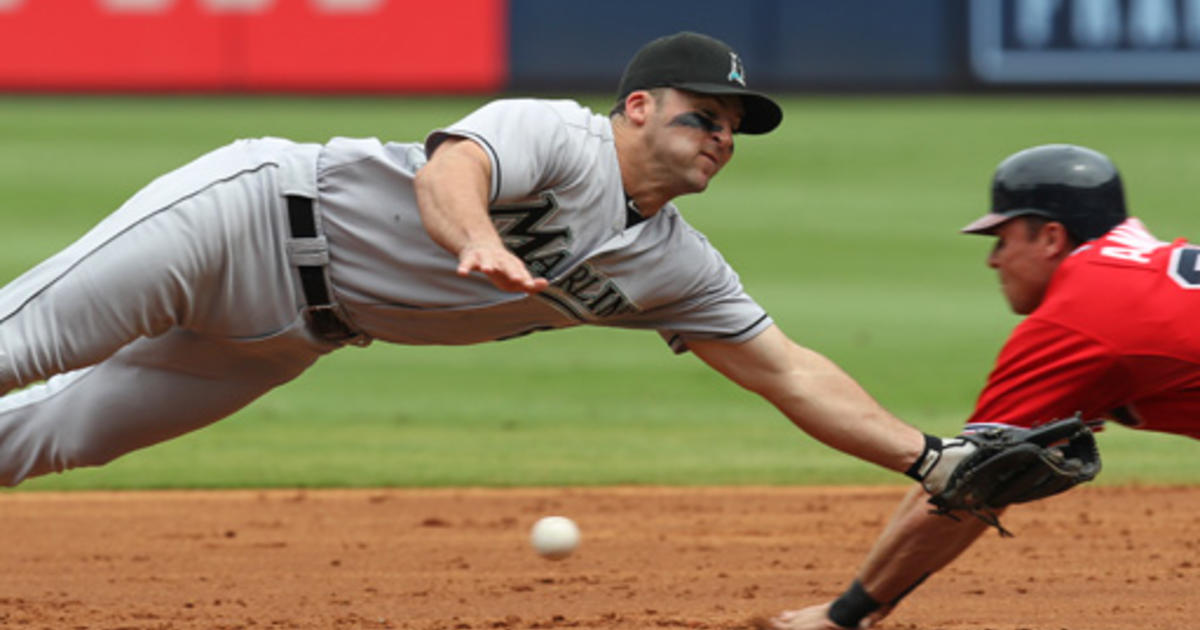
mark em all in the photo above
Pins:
pixel 1073 185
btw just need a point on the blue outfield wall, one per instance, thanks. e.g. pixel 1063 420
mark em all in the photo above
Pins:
pixel 786 44
pixel 872 44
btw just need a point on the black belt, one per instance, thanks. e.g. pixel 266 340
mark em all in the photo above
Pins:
pixel 322 313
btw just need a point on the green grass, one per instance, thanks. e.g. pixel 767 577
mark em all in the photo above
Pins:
pixel 843 224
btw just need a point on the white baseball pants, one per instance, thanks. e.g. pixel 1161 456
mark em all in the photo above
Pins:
pixel 175 311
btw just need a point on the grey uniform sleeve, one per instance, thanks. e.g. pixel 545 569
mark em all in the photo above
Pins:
pixel 526 141
pixel 724 312
pixel 680 285
pixel 720 311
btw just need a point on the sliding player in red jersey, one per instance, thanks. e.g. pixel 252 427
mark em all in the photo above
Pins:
pixel 1110 335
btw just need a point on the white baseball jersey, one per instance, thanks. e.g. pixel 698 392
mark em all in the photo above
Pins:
pixel 558 202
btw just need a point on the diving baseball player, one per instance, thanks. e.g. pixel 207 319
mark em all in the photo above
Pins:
pixel 234 273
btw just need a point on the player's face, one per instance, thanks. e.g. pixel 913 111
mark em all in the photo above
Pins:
pixel 1021 259
pixel 692 135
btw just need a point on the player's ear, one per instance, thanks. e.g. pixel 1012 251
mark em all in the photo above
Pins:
pixel 638 106
pixel 1055 239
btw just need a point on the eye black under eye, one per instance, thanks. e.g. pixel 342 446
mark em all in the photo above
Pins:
pixel 698 120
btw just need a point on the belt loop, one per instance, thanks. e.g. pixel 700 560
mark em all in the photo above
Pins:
pixel 308 251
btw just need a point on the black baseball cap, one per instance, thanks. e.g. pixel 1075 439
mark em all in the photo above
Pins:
pixel 702 64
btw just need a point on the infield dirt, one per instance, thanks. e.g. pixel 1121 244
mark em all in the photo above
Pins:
pixel 1094 559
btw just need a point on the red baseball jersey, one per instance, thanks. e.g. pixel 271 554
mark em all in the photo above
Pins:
pixel 1116 337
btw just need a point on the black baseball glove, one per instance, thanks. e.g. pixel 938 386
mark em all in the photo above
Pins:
pixel 1016 465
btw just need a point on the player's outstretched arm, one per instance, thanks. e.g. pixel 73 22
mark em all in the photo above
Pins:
pixel 817 396
pixel 915 544
pixel 452 195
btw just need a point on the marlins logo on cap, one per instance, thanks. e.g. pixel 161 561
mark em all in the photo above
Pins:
pixel 737 73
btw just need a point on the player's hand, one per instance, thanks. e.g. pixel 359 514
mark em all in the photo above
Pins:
pixel 811 618
pixel 502 268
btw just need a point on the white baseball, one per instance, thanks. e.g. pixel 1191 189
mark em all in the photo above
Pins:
pixel 554 537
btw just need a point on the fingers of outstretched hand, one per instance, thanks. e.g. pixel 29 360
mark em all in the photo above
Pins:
pixel 811 618
pixel 502 268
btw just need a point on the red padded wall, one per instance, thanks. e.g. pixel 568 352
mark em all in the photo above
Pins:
pixel 301 45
